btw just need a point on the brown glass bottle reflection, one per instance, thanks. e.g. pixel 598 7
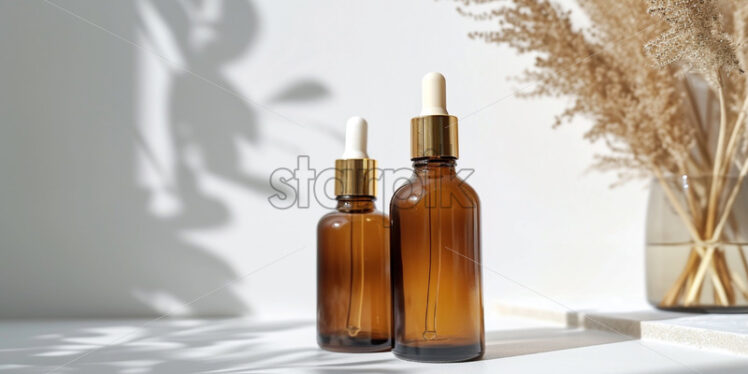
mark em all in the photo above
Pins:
pixel 354 311
pixel 353 278
pixel 436 273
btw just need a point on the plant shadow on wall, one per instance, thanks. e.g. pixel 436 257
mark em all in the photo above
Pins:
pixel 98 228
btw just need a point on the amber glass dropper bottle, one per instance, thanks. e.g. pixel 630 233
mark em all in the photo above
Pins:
pixel 353 257
pixel 436 272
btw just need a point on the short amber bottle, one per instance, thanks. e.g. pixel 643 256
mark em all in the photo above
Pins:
pixel 436 268
pixel 354 310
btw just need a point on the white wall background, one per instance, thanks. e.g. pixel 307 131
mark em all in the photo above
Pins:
pixel 136 140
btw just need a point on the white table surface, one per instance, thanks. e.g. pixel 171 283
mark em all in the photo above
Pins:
pixel 514 345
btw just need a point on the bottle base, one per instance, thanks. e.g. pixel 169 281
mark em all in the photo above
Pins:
pixel 450 353
pixel 359 344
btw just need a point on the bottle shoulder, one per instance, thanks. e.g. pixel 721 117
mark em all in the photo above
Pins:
pixel 469 191
pixel 337 217
pixel 450 188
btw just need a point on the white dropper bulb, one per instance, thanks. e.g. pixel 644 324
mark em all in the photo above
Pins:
pixel 355 138
pixel 433 95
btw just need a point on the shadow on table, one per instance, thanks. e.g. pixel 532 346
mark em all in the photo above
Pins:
pixel 500 344
pixel 178 346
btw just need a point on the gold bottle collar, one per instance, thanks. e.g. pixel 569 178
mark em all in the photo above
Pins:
pixel 356 177
pixel 433 136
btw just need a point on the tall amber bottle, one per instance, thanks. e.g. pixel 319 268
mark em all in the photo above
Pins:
pixel 354 310
pixel 436 271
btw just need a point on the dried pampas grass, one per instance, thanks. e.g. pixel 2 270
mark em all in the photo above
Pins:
pixel 632 73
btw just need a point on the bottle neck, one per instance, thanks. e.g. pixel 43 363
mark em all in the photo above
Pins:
pixel 355 204
pixel 435 167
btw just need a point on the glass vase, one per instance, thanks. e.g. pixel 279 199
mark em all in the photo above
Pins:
pixel 696 246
